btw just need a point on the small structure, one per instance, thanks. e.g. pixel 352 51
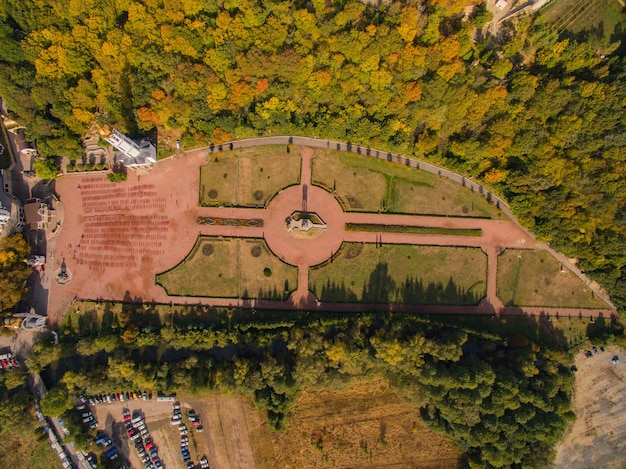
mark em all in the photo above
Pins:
pixel 37 214
pixel 304 224
pixel 27 157
pixel 35 261
pixel 130 153
pixel 5 217
pixel 34 321
pixel 11 210
pixel 502 4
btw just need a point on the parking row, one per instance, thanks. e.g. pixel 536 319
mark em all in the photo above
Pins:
pixel 123 396
pixel 138 433
pixel 184 437
pixel 87 416
pixel 110 450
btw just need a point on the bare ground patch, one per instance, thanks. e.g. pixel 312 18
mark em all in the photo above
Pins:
pixel 598 436
pixel 364 426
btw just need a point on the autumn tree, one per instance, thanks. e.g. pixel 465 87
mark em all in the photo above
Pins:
pixel 13 269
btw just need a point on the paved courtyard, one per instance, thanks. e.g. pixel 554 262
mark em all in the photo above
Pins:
pixel 117 237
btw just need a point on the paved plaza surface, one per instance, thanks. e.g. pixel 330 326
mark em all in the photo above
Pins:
pixel 117 237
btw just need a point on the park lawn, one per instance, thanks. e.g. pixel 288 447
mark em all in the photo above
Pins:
pixel 600 17
pixel 248 177
pixel 358 187
pixel 396 273
pixel 380 185
pixel 230 271
pixel 254 281
pixel 439 196
pixel 218 180
pixel 535 278
pixel 205 275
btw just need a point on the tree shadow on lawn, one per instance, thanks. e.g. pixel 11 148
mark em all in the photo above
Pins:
pixel 381 288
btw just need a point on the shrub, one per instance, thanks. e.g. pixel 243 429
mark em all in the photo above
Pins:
pixel 117 177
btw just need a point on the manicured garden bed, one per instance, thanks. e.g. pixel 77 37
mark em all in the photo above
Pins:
pixel 248 177
pixel 230 268
pixel 368 184
pixel 427 230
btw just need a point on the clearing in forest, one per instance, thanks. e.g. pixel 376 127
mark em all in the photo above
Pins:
pixel 597 438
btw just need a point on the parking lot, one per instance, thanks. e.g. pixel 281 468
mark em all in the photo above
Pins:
pixel 146 435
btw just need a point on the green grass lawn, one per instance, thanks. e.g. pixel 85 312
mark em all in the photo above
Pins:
pixel 370 185
pixel 402 274
pixel 535 278
pixel 601 18
pixel 28 451
pixel 248 177
pixel 230 268
pixel 428 230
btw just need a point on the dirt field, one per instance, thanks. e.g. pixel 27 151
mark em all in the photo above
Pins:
pixel 598 436
pixel 365 426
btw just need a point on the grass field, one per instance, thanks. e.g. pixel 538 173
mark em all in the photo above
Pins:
pixel 27 451
pixel 600 17
pixel 402 274
pixel 366 425
pixel 248 177
pixel 230 268
pixel 535 278
pixel 370 185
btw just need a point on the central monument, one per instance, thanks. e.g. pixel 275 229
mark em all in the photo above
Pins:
pixel 302 224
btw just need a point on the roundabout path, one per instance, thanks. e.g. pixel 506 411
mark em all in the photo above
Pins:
pixel 117 237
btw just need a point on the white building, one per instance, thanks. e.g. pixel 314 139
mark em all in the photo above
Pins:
pixel 130 153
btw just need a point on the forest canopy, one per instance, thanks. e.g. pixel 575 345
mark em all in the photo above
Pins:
pixel 500 389
pixel 536 115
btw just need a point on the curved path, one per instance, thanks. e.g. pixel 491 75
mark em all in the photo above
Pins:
pixel 117 237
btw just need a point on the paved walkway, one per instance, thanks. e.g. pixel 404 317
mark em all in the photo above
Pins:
pixel 116 238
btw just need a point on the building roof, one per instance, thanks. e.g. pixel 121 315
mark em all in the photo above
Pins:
pixel 145 157
pixel 36 214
